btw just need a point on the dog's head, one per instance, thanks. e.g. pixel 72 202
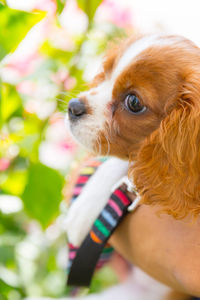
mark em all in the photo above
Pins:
pixel 145 106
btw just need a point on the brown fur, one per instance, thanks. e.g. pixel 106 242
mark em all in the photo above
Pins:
pixel 164 141
pixel 113 54
pixel 167 169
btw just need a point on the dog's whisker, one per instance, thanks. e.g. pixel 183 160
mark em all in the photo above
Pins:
pixel 74 92
pixel 59 114
pixel 115 128
pixel 108 143
pixel 61 100
pixel 99 145
pixel 68 95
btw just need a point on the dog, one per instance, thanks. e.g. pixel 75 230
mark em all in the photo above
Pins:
pixel 143 109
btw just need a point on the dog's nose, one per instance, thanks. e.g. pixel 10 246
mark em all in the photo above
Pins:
pixel 76 108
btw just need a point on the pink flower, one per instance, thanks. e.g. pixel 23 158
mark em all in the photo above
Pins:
pixel 59 135
pixel 115 13
pixel 24 65
pixel 60 38
pixel 27 87
pixel 67 145
pixel 62 77
pixel 69 83
pixel 58 149
pixel 73 19
pixel 4 164
pixel 46 5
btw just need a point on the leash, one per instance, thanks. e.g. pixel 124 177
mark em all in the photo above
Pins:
pixel 85 258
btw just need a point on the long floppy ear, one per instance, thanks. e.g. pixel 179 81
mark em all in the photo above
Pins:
pixel 167 169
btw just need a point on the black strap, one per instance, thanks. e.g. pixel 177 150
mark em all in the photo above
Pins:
pixel 87 256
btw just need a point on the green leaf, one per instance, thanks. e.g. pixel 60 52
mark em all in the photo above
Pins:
pixel 89 7
pixel 60 5
pixel 10 102
pixel 15 182
pixel 103 279
pixel 7 254
pixel 43 193
pixel 11 228
pixel 4 288
pixel 56 54
pixel 1 117
pixel 14 26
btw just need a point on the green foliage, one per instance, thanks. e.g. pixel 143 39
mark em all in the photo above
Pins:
pixel 103 279
pixel 14 182
pixel 11 227
pixel 42 194
pixel 60 5
pixel 5 289
pixel 10 102
pixel 89 7
pixel 3 2
pixel 56 54
pixel 31 188
pixel 12 27
pixel 1 117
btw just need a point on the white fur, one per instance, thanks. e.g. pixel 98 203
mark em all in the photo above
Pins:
pixel 137 48
pixel 132 52
pixel 96 192
pixel 86 130
pixel 92 199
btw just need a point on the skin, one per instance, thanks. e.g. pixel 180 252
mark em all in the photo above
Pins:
pixel 165 248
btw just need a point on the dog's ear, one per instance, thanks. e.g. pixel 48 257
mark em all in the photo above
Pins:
pixel 167 169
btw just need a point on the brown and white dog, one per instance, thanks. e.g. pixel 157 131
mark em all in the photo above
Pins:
pixel 143 108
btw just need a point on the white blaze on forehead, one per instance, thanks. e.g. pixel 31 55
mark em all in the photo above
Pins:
pixel 133 50
pixel 138 47
pixel 98 98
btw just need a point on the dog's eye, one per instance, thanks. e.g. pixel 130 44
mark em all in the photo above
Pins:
pixel 133 104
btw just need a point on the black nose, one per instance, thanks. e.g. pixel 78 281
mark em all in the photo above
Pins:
pixel 76 108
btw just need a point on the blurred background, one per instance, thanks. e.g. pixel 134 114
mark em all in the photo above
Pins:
pixel 49 50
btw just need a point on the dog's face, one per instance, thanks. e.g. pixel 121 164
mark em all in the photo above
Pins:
pixel 145 106
pixel 138 86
